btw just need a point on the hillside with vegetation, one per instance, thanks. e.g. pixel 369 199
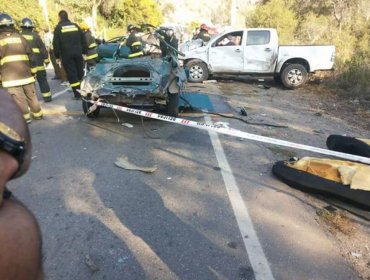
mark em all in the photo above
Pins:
pixel 344 23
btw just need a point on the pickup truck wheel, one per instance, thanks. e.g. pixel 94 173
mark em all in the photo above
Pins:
pixel 173 104
pixel 85 107
pixel 294 75
pixel 198 71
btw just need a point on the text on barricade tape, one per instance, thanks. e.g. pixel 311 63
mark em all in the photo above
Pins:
pixel 232 132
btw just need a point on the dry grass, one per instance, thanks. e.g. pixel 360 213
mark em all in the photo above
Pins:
pixel 337 221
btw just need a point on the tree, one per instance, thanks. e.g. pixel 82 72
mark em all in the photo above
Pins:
pixel 22 8
pixel 275 14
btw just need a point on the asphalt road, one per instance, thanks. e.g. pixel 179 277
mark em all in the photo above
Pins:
pixel 211 210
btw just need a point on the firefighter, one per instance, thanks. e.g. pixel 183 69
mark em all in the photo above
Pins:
pixel 134 42
pixel 168 35
pixel 203 33
pixel 91 56
pixel 40 54
pixel 16 60
pixel 69 45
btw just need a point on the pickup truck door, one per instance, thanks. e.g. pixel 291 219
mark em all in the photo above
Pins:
pixel 226 53
pixel 260 52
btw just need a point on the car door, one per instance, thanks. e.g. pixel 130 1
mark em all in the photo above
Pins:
pixel 226 53
pixel 260 52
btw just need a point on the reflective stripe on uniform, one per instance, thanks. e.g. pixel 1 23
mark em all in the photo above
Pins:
pixel 95 55
pixel 46 61
pixel 46 94
pixel 28 37
pixel 69 28
pixel 37 114
pixel 36 50
pixel 11 58
pixel 34 70
pixel 136 43
pixel 132 55
pixel 39 68
pixel 76 84
pixel 15 83
pixel 93 45
pixel 11 40
pixel 27 116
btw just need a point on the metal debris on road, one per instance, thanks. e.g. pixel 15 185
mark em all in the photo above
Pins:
pixel 123 162
pixel 127 125
pixel 210 82
pixel 90 264
pixel 356 255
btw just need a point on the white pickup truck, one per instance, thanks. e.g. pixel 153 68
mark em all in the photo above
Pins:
pixel 256 51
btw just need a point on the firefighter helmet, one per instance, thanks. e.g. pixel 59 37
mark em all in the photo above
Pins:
pixel 204 26
pixel 130 27
pixel 27 23
pixel 84 26
pixel 6 20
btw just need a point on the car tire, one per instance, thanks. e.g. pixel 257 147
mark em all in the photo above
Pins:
pixel 310 183
pixel 198 71
pixel 349 145
pixel 85 107
pixel 173 104
pixel 294 76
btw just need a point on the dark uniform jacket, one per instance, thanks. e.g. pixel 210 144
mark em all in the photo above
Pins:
pixel 135 45
pixel 69 40
pixel 41 55
pixel 204 35
pixel 171 40
pixel 16 60
pixel 91 46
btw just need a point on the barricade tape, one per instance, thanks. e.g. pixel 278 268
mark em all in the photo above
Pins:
pixel 232 132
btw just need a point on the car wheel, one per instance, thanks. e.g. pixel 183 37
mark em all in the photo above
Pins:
pixel 198 71
pixel 173 104
pixel 294 75
pixel 85 107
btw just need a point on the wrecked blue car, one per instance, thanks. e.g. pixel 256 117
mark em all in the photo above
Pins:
pixel 149 82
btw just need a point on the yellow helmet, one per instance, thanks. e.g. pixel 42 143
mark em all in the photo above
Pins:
pixel 84 26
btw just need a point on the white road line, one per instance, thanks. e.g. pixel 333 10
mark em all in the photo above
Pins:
pixel 254 249
pixel 55 95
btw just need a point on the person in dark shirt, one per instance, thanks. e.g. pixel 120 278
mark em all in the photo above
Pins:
pixel 69 45
pixel 17 69
pixel 203 33
pixel 169 37
pixel 134 42
pixel 41 56
pixel 92 56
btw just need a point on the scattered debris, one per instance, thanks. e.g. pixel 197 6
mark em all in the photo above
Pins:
pixel 264 86
pixel 209 82
pixel 123 162
pixel 243 111
pixel 169 178
pixel 330 208
pixel 356 255
pixel 127 125
pixel 222 124
pixel 232 245
pixel 336 221
pixel 318 114
pixel 34 157
pixel 90 264
pixel 317 131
